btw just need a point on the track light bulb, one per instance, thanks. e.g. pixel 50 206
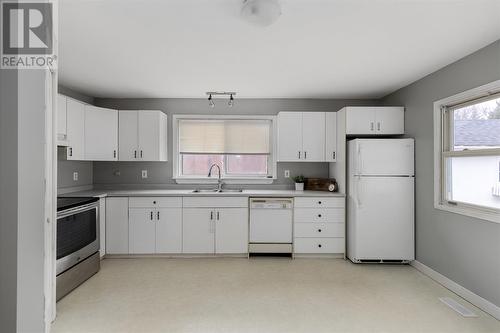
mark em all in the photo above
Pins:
pixel 210 101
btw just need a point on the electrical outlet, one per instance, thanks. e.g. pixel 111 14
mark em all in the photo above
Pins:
pixel 75 176
pixel 287 173
pixel 144 173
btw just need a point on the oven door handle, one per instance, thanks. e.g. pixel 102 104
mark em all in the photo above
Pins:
pixel 76 210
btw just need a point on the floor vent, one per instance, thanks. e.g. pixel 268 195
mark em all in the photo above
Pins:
pixel 458 307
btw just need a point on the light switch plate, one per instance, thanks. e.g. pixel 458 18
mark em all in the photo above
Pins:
pixel 287 173
pixel 75 176
pixel 144 173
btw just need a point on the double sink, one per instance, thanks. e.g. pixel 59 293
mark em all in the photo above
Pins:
pixel 214 190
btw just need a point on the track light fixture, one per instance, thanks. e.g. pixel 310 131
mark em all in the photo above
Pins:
pixel 224 93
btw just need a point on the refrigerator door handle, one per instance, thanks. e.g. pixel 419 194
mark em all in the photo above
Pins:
pixel 358 191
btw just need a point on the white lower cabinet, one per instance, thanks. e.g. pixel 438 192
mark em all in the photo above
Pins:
pixel 141 231
pixel 231 230
pixel 319 225
pixel 198 230
pixel 169 230
pixel 215 230
pixel 155 225
pixel 215 225
pixel 102 227
pixel 117 226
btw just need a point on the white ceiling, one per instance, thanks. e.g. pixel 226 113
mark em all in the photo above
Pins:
pixel 317 49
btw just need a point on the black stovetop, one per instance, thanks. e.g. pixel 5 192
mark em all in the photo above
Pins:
pixel 64 203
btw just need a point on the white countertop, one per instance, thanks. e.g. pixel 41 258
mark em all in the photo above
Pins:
pixel 190 193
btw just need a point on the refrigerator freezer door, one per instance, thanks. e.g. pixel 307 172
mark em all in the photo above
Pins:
pixel 379 157
pixel 384 218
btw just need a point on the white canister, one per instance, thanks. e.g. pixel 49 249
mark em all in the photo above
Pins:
pixel 299 186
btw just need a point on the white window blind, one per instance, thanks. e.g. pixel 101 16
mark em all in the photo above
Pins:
pixel 206 136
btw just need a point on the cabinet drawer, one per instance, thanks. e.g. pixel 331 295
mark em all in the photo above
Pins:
pixel 320 202
pixel 318 245
pixel 214 202
pixel 319 230
pixel 325 215
pixel 155 202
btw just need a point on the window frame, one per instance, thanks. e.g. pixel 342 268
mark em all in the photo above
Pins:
pixel 442 142
pixel 241 180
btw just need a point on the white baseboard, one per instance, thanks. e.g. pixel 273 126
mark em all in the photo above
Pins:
pixel 466 294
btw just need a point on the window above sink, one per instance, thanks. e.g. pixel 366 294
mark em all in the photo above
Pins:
pixel 242 146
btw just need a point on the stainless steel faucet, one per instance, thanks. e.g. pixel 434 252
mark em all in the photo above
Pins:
pixel 219 180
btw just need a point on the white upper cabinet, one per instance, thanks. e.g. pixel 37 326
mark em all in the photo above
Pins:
pixel 142 136
pixel 75 126
pixel 390 120
pixel 331 136
pixel 62 134
pixel 101 134
pixel 313 136
pixel 301 136
pixel 382 120
pixel 289 136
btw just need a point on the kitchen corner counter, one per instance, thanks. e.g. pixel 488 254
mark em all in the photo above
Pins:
pixel 190 193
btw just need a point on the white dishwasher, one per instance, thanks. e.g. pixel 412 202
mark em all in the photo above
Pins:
pixel 271 225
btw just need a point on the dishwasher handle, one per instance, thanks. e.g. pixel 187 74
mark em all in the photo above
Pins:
pixel 271 203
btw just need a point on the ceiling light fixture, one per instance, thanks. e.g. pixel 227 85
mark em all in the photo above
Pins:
pixel 261 12
pixel 219 93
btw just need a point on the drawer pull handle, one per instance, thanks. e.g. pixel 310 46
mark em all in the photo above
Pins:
pixel 319 215
pixel 319 245
pixel 319 230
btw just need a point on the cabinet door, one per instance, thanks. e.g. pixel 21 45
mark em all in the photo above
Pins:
pixel 313 136
pixel 101 134
pixel 149 135
pixel 75 129
pixel 169 230
pixel 360 120
pixel 116 225
pixel 61 119
pixel 390 120
pixel 127 135
pixel 102 226
pixel 141 230
pixel 331 136
pixel 289 136
pixel 198 230
pixel 231 230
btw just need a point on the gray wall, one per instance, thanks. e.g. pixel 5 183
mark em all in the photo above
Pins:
pixel 65 168
pixel 8 200
pixel 160 173
pixel 464 249
pixel 22 200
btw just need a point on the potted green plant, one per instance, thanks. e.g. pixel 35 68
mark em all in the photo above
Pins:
pixel 299 182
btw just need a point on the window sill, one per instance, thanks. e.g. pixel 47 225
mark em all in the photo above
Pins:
pixel 481 214
pixel 234 181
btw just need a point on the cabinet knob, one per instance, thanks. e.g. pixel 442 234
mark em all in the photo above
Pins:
pixel 319 215
pixel 319 202
pixel 154 202
pixel 319 245
pixel 319 230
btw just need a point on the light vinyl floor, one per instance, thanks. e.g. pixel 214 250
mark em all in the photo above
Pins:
pixel 261 295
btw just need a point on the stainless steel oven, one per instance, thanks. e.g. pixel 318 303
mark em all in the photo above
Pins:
pixel 77 242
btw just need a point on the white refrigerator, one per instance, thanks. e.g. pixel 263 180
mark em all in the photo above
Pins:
pixel 380 198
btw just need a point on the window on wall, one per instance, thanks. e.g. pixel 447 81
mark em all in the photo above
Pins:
pixel 469 158
pixel 241 146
